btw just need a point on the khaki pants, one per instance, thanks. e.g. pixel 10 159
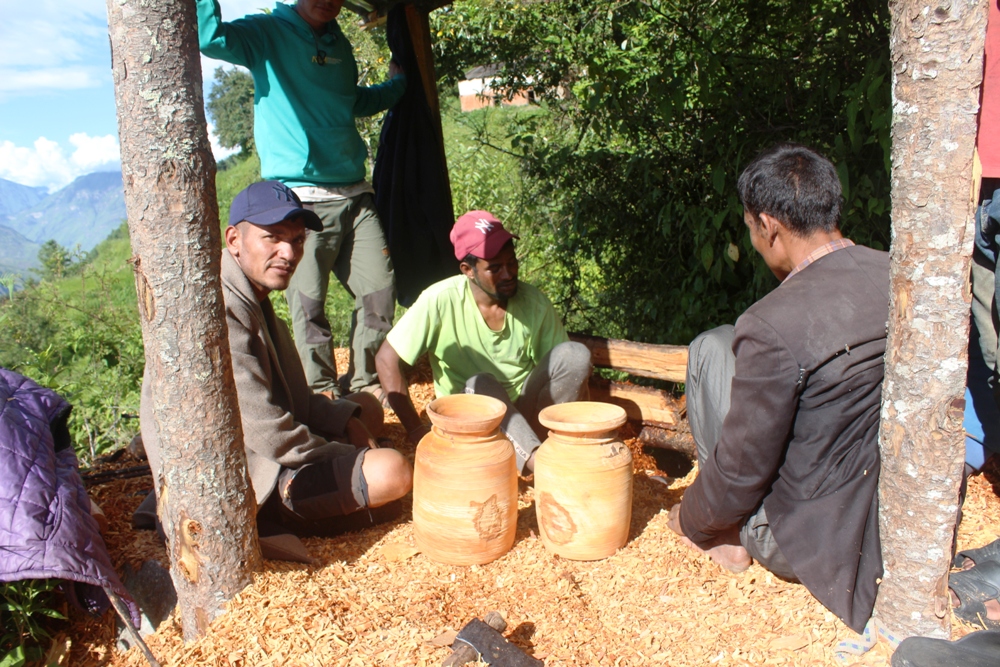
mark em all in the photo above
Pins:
pixel 351 246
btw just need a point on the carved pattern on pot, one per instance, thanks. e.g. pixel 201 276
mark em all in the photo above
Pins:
pixel 556 521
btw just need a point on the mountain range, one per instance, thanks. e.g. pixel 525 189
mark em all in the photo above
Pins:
pixel 82 213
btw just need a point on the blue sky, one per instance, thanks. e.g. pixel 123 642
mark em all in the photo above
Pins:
pixel 57 99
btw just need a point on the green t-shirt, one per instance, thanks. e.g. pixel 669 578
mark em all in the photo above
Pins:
pixel 446 323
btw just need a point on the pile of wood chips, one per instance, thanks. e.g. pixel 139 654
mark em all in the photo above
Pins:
pixel 373 599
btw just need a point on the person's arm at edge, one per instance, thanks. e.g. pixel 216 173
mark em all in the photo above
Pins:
pixel 373 99
pixel 390 374
pixel 234 42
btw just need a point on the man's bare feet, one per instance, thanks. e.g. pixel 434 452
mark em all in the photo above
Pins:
pixel 732 557
pixel 992 606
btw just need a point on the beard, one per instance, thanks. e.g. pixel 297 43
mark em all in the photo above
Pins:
pixel 501 292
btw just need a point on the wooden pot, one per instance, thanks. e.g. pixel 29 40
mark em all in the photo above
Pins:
pixel 465 483
pixel 583 481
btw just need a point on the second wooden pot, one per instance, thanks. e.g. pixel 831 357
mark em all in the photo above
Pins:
pixel 583 481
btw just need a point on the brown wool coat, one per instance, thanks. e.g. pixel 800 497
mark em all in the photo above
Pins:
pixel 801 434
pixel 284 422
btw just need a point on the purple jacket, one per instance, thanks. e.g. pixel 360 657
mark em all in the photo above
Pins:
pixel 46 531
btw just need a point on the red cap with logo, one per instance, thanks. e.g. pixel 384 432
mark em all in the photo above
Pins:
pixel 480 234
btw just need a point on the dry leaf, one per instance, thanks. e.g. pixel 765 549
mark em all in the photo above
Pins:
pixel 398 551
pixel 792 643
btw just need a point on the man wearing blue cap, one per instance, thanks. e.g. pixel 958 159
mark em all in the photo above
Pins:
pixel 312 460
pixel 306 99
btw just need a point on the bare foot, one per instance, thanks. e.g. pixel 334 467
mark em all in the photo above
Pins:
pixel 732 557
pixel 992 606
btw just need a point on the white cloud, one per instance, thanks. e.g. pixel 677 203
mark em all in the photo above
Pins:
pixel 44 79
pixel 47 164
pixel 48 45
pixel 53 45
pixel 94 153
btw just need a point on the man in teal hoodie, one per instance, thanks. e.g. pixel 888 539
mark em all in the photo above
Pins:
pixel 306 97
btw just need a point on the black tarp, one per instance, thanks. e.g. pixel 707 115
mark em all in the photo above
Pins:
pixel 411 187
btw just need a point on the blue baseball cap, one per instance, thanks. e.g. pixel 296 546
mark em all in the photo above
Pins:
pixel 268 203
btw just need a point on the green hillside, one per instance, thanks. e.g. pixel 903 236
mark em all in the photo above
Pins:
pixel 79 333
pixel 17 253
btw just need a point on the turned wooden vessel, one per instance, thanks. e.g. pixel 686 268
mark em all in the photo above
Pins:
pixel 465 483
pixel 583 481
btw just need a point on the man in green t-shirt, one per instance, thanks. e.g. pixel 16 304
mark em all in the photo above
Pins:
pixel 486 333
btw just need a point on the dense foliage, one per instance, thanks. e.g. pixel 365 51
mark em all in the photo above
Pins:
pixel 653 107
pixel 230 106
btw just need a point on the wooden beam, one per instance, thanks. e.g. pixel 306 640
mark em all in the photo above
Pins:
pixel 644 404
pixel 660 362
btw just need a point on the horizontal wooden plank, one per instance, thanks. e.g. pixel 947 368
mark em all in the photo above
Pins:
pixel 645 404
pixel 661 362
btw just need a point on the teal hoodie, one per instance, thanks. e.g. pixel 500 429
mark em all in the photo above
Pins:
pixel 304 104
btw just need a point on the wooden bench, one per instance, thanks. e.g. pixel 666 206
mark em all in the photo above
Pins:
pixel 648 405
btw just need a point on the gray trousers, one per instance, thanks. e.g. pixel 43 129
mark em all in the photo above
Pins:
pixel 351 246
pixel 561 376
pixel 708 386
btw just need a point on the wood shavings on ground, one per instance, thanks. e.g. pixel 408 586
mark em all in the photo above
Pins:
pixel 373 599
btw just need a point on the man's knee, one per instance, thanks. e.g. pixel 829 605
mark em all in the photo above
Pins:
pixel 311 313
pixel 711 343
pixel 388 475
pixel 486 385
pixel 708 348
pixel 574 357
pixel 380 308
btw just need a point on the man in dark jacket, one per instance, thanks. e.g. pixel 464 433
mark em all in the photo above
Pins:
pixel 784 408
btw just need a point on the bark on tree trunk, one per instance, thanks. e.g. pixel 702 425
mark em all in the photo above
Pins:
pixel 205 500
pixel 937 60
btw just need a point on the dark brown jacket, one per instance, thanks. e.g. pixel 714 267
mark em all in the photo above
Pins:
pixel 284 422
pixel 801 435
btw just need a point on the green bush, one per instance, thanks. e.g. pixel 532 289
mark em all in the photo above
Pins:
pixel 649 110
pixel 28 612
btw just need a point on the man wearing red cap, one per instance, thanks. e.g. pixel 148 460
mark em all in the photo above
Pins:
pixel 486 333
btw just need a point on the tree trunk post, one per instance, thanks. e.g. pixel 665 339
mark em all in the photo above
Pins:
pixel 937 63
pixel 205 500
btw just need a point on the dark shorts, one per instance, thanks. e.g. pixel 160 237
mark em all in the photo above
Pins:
pixel 324 489
pixel 323 498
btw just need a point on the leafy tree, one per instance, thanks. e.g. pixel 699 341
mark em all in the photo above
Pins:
pixel 653 107
pixel 230 104
pixel 55 260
